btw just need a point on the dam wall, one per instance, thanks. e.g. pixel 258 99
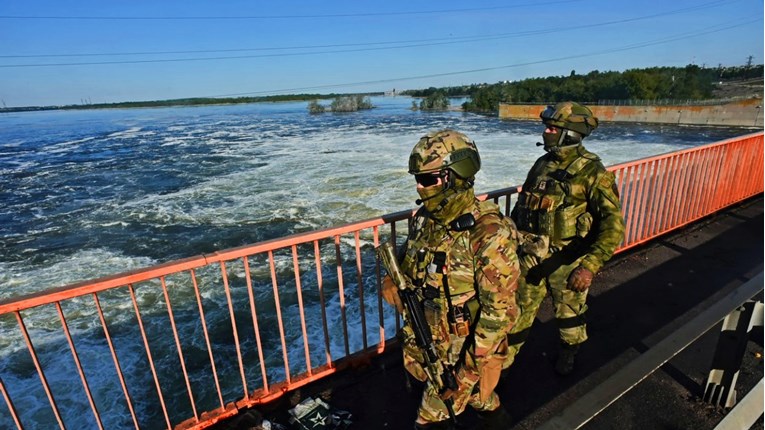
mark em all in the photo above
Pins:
pixel 740 113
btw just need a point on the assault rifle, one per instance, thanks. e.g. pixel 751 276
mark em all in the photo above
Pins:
pixel 439 374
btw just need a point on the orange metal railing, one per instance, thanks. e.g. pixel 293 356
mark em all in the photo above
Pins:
pixel 254 350
pixel 669 191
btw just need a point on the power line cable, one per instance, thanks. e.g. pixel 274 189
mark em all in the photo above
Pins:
pixel 485 69
pixel 250 17
pixel 378 48
pixel 407 43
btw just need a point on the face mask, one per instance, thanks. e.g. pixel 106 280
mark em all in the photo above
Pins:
pixel 431 197
pixel 551 140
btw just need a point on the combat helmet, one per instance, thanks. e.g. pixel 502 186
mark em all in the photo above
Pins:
pixel 454 157
pixel 445 150
pixel 570 116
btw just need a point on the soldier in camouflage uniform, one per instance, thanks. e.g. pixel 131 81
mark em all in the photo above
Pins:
pixel 570 222
pixel 460 256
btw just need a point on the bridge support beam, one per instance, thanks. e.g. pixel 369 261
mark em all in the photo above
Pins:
pixel 720 388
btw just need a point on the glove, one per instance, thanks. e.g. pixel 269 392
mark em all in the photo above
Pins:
pixel 390 294
pixel 579 279
pixel 536 245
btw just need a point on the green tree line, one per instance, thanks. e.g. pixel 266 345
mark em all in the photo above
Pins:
pixel 196 101
pixel 687 83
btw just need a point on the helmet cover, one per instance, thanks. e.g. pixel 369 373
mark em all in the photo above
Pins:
pixel 445 150
pixel 570 116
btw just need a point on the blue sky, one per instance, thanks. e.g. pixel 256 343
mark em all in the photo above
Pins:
pixel 64 52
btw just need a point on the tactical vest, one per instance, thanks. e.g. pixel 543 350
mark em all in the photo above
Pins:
pixel 555 205
pixel 440 261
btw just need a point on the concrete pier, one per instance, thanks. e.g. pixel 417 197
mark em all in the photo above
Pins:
pixel 741 113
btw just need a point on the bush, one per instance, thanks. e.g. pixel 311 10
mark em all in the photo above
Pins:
pixel 351 103
pixel 435 101
pixel 314 107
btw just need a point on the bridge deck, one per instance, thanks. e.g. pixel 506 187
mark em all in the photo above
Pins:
pixel 660 286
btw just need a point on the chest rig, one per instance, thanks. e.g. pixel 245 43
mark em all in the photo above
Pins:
pixel 439 261
pixel 555 205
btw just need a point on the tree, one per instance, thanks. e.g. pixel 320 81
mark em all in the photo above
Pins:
pixel 435 101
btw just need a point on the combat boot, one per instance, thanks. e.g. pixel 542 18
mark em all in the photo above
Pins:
pixel 566 359
pixel 498 419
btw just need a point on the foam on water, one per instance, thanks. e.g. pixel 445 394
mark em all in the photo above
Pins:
pixel 18 276
pixel 125 134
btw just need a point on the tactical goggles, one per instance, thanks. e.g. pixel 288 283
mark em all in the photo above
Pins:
pixel 427 179
pixel 549 114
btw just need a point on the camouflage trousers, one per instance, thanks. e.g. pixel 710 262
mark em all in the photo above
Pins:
pixel 538 277
pixel 432 408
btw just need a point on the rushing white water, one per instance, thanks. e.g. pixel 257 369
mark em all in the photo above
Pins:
pixel 90 193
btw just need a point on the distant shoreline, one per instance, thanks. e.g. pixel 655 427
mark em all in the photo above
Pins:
pixel 191 102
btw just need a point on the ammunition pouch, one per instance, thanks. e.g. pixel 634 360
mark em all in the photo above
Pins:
pixel 558 223
pixel 432 312
pixel 554 205
pixel 583 224
pixel 566 221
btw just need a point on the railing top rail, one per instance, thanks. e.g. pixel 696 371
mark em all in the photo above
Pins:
pixel 685 151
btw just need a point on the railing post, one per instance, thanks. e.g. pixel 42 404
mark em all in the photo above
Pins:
pixel 721 383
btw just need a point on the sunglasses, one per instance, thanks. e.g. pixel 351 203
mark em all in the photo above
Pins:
pixel 427 179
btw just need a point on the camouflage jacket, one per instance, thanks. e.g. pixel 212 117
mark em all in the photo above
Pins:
pixel 479 268
pixel 570 197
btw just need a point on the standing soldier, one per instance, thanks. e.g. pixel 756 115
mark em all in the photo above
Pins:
pixel 570 222
pixel 460 260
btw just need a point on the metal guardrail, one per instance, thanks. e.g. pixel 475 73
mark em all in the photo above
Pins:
pixel 746 413
pixel 320 279
pixel 586 407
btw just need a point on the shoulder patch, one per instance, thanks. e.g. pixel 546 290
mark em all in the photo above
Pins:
pixel 606 180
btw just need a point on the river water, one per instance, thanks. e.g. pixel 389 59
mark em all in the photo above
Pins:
pixel 89 193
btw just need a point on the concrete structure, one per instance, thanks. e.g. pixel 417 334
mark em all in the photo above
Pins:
pixel 740 113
